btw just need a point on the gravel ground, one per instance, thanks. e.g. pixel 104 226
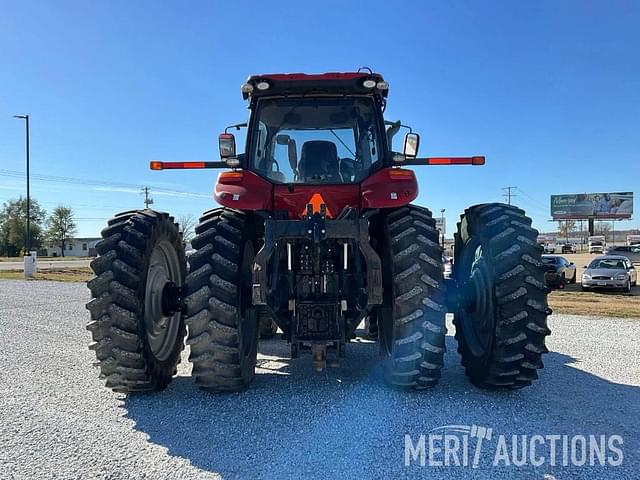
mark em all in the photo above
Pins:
pixel 58 421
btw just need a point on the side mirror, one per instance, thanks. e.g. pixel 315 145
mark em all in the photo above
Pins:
pixel 411 144
pixel 227 143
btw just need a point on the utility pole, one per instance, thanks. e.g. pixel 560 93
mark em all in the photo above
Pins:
pixel 28 239
pixel 508 193
pixel 147 199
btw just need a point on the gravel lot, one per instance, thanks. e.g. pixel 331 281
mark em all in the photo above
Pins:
pixel 58 421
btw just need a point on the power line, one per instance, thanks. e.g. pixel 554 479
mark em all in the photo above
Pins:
pixel 97 183
pixel 540 204
pixel 508 193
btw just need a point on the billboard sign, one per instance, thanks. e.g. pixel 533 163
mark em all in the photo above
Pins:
pixel 616 205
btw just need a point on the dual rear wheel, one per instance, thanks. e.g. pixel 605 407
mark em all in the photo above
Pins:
pixel 499 298
pixel 138 323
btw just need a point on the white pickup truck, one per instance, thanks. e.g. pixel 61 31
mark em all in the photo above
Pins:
pixel 596 243
pixel 633 240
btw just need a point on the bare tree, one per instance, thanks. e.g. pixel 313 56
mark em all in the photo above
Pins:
pixel 566 228
pixel 187 226
pixel 603 227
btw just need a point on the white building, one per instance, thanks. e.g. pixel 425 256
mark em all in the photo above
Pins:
pixel 78 247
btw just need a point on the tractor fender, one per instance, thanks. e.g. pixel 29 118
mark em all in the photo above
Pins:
pixel 389 188
pixel 243 190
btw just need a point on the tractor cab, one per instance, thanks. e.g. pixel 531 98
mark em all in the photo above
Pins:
pixel 315 140
pixel 315 129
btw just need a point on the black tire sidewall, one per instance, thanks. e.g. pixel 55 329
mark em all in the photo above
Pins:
pixel 465 253
pixel 246 311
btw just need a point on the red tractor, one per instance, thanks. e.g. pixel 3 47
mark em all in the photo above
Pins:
pixel 317 233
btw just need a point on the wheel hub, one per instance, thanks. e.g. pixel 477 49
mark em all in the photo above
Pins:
pixel 171 299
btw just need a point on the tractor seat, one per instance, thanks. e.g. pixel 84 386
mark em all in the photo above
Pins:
pixel 319 161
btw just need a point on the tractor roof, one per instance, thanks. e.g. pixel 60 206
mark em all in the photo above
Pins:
pixel 322 83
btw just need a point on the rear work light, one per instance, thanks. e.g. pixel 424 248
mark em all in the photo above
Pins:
pixel 262 85
pixel 369 83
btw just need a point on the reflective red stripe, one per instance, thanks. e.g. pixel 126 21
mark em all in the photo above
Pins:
pixel 305 76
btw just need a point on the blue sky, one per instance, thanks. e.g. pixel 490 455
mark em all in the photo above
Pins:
pixel 548 91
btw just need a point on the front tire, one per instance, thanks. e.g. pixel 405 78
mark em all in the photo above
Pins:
pixel 136 340
pixel 501 322
pixel 412 332
pixel 223 328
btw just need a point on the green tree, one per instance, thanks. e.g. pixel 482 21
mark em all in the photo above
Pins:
pixel 13 226
pixel 61 227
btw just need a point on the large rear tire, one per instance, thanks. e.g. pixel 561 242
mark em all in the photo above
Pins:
pixel 412 327
pixel 501 323
pixel 137 341
pixel 223 328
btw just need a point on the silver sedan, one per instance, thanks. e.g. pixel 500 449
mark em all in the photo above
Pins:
pixel 610 272
pixel 632 252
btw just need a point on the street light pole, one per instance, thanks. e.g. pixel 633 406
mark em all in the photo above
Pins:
pixel 28 240
pixel 442 225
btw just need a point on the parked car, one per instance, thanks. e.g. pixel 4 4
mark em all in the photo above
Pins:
pixel 610 272
pixel 597 243
pixel 549 248
pixel 632 252
pixel 569 248
pixel 558 271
